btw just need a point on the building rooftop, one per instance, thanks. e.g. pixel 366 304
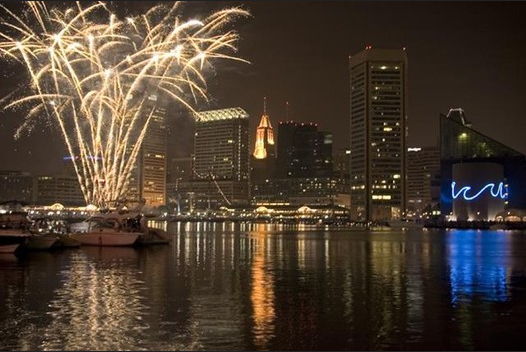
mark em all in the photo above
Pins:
pixel 221 114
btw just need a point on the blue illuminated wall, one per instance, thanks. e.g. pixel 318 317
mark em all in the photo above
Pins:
pixel 461 144
pixel 477 190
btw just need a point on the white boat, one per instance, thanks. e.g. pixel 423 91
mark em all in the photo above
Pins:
pixel 106 237
pixel 118 228
pixel 107 232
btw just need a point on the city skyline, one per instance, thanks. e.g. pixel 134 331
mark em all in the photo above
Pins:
pixel 469 59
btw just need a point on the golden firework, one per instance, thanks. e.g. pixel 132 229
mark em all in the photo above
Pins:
pixel 92 72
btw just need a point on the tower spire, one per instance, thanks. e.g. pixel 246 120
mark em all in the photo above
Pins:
pixel 264 135
pixel 287 110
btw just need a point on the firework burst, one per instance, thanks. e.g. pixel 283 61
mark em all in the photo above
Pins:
pixel 91 73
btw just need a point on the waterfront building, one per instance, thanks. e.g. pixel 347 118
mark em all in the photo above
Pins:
pixel 423 180
pixel 16 186
pixel 60 188
pixel 480 177
pixel 148 177
pixel 378 102
pixel 341 174
pixel 221 158
pixel 295 191
pixel 304 168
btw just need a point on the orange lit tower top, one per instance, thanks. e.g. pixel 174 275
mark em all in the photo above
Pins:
pixel 264 136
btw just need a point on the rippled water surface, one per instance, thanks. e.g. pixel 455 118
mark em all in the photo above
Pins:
pixel 225 287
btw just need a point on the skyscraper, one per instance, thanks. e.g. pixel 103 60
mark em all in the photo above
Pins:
pixel 153 163
pixel 377 133
pixel 303 151
pixel 423 179
pixel 304 168
pixel 148 178
pixel 221 151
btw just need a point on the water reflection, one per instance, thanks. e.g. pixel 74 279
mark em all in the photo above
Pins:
pixel 218 287
pixel 262 295
pixel 98 302
pixel 479 265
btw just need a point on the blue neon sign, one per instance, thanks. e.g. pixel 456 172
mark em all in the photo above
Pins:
pixel 498 193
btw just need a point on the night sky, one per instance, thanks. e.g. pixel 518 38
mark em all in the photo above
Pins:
pixel 461 54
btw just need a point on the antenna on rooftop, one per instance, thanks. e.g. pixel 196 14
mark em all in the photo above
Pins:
pixel 264 105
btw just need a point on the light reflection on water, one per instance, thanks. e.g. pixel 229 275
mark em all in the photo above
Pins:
pixel 98 303
pixel 219 287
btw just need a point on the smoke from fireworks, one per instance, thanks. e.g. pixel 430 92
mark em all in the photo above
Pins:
pixel 92 73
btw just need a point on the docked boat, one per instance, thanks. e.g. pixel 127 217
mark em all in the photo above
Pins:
pixel 8 248
pixel 118 228
pixel 154 236
pixel 46 228
pixel 107 232
pixel 40 242
pixel 66 241
pixel 13 232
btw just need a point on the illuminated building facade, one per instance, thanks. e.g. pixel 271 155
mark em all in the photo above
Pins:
pixel 480 177
pixel 295 191
pixel 221 158
pixel 304 168
pixel 60 188
pixel 342 160
pixel 378 101
pixel 148 178
pixel 264 156
pixel 423 180
pixel 153 159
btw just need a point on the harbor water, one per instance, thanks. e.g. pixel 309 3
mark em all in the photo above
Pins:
pixel 224 286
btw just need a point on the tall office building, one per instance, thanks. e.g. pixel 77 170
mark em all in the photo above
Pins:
pixel 423 179
pixel 221 152
pixel 153 155
pixel 148 178
pixel 303 151
pixel 304 168
pixel 378 97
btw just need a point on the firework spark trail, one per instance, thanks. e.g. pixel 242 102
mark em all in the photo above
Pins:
pixel 92 78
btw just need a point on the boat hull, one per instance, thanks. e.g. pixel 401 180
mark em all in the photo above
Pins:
pixel 66 241
pixel 8 248
pixel 154 236
pixel 41 242
pixel 106 238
